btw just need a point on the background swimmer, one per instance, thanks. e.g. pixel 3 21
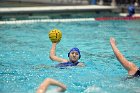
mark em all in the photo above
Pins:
pixel 131 10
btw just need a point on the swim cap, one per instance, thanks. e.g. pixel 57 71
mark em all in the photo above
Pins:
pixel 75 49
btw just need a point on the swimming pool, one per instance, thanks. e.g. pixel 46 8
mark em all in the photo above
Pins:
pixel 25 63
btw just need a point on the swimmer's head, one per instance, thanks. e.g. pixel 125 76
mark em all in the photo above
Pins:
pixel 75 49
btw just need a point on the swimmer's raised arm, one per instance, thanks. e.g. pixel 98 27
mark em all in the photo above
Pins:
pixel 53 54
pixel 43 87
pixel 129 66
pixel 118 54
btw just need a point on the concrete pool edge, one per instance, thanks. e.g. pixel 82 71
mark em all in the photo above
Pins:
pixel 54 8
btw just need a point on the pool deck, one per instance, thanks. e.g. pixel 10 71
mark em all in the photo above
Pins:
pixel 20 10
pixel 54 8
pixel 7 6
pixel 125 14
pixel 50 9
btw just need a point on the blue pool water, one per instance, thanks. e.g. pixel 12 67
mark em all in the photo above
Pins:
pixel 25 63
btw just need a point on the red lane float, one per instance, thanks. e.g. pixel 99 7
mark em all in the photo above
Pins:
pixel 117 18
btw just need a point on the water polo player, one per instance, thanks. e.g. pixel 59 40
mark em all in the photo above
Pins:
pixel 74 54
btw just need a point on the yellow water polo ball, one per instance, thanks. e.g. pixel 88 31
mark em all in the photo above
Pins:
pixel 55 35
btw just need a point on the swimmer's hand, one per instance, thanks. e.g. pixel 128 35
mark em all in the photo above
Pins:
pixel 60 89
pixel 112 41
pixel 81 64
